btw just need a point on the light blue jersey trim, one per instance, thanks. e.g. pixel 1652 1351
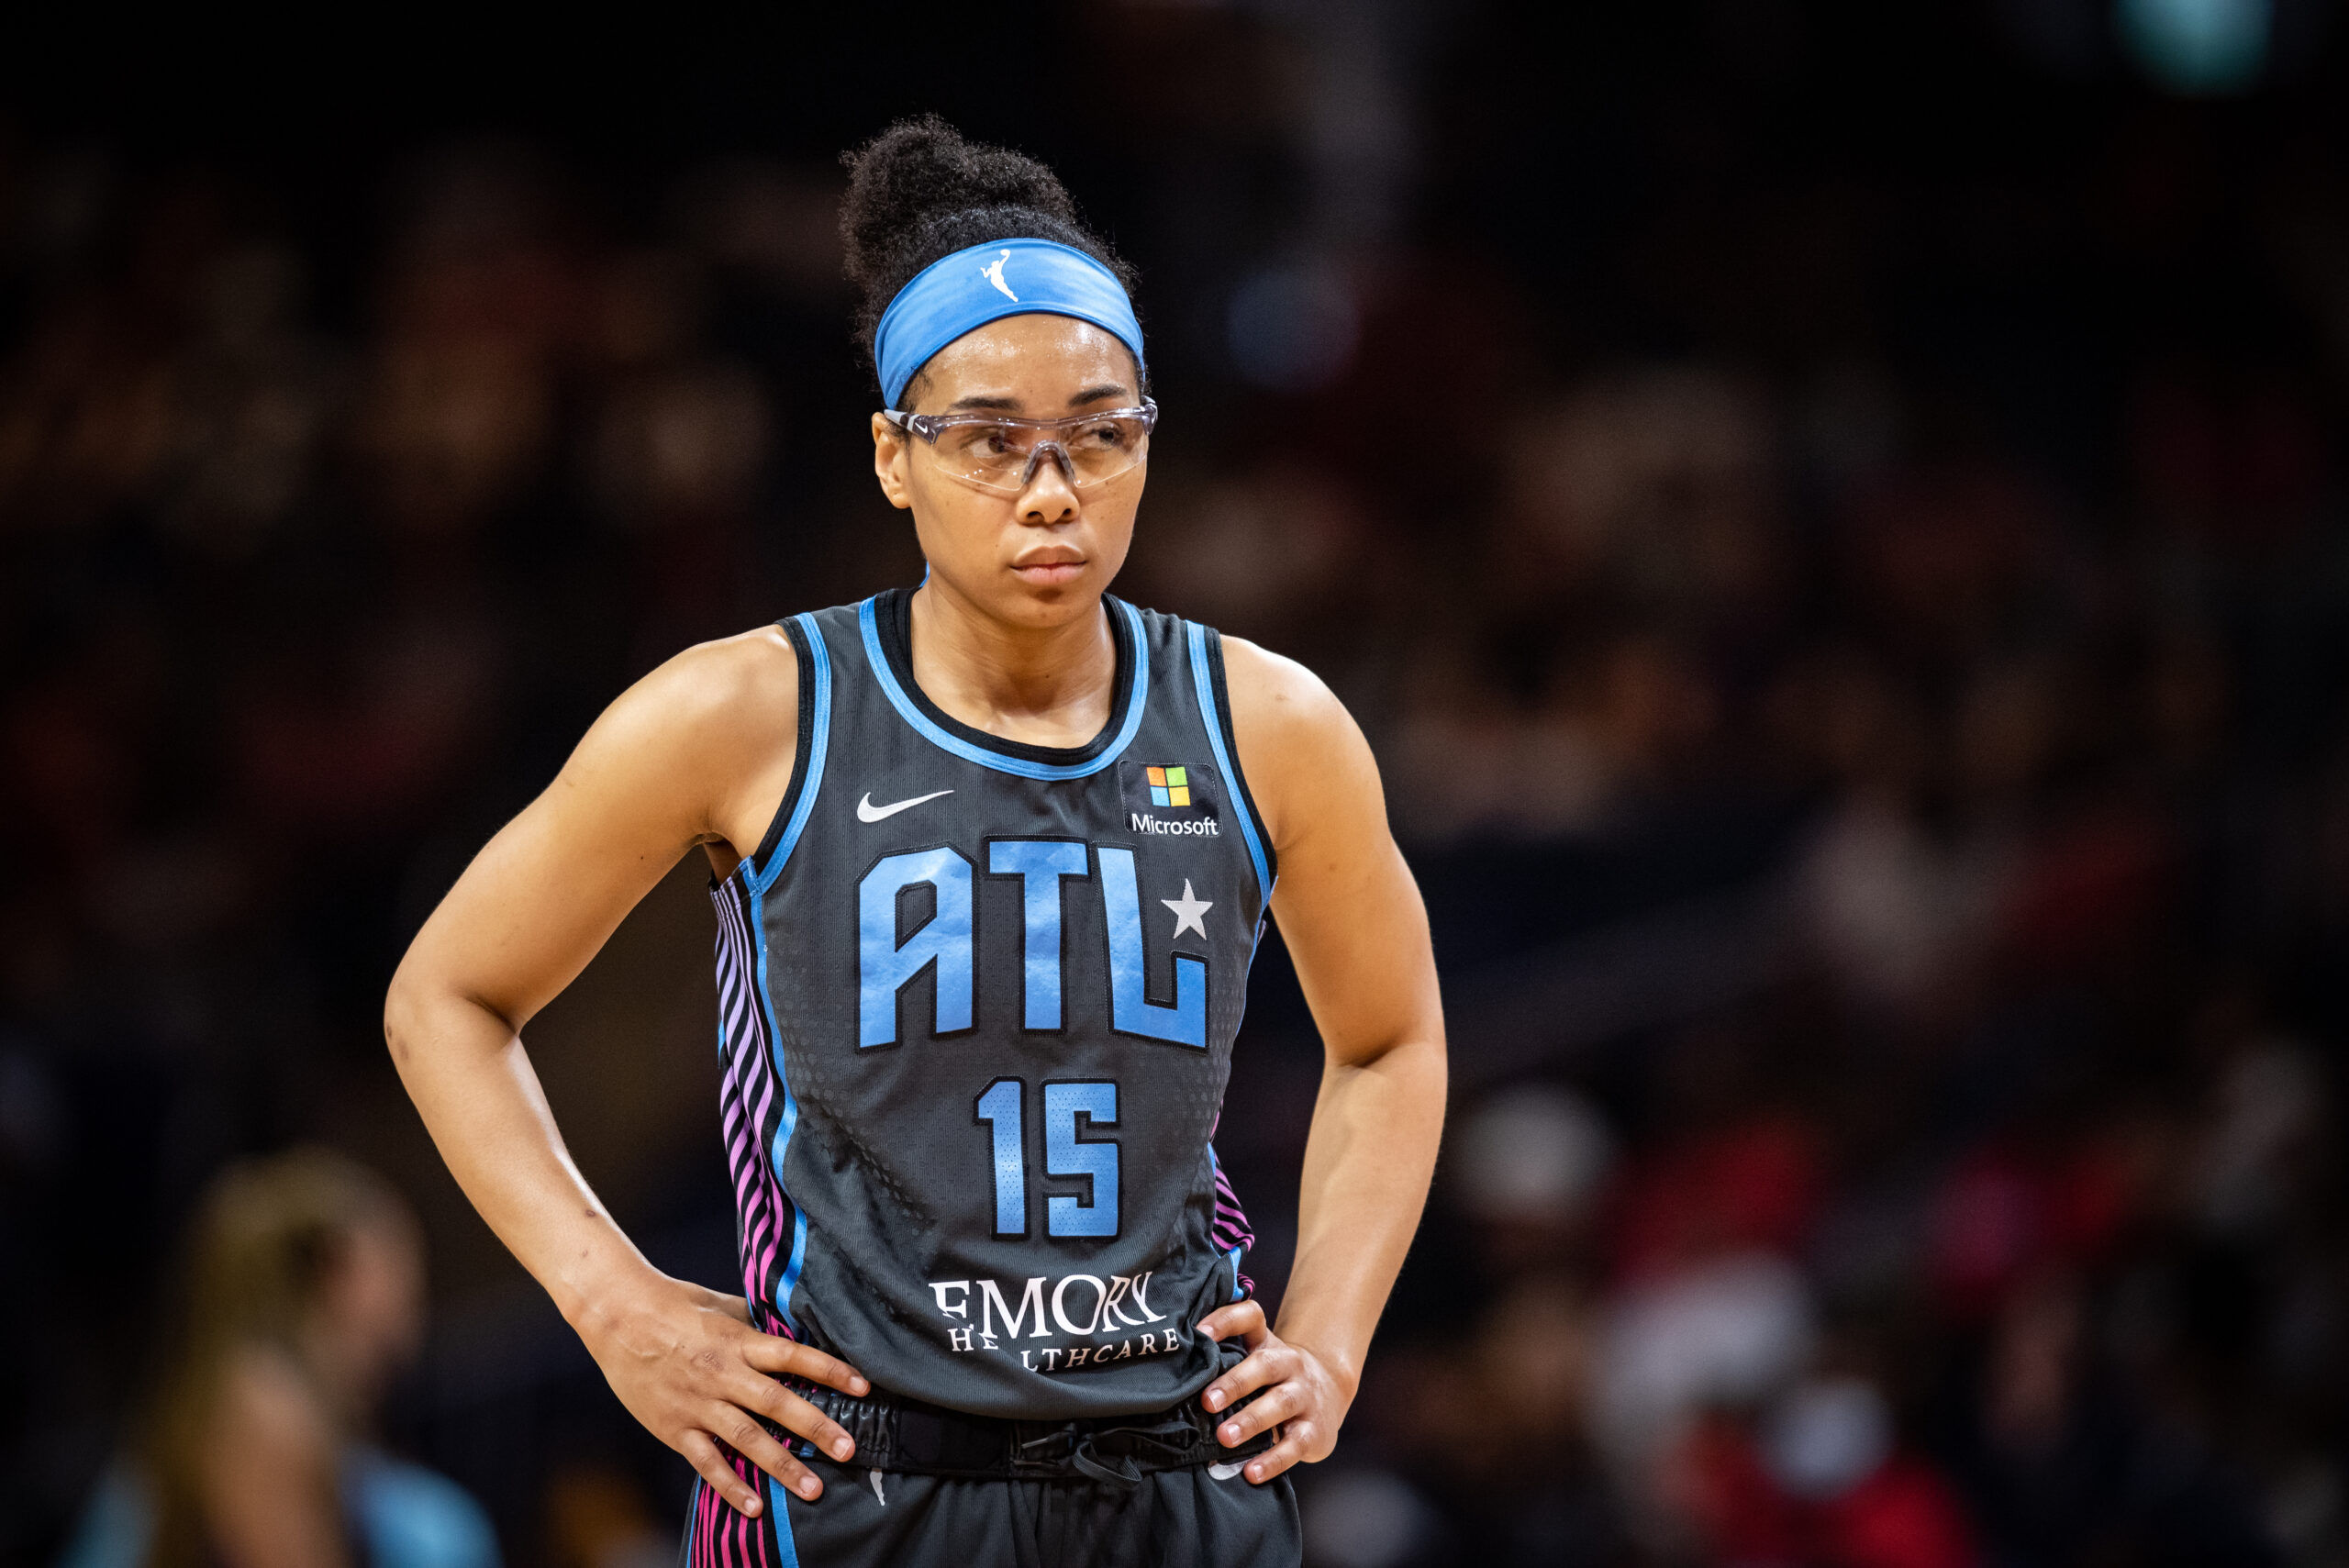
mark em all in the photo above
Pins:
pixel 820 734
pixel 1233 1258
pixel 1205 682
pixel 779 1510
pixel 1136 702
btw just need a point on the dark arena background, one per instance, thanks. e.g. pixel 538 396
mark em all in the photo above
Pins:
pixel 1831 514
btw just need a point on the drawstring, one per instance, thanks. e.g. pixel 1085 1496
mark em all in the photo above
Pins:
pixel 1081 1450
pixel 1125 1476
pixel 918 1439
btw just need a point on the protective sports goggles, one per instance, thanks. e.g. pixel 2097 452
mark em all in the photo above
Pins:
pixel 998 452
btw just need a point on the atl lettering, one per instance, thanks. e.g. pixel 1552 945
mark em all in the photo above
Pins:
pixel 944 947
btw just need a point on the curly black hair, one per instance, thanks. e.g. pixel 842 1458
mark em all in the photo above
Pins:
pixel 918 190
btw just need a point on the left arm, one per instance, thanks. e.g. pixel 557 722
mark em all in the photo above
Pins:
pixel 1357 931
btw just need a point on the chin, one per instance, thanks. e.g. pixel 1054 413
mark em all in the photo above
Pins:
pixel 1054 604
pixel 1086 584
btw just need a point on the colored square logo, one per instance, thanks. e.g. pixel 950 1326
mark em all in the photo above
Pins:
pixel 1169 787
pixel 1167 792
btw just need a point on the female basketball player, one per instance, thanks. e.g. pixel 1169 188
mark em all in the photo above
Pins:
pixel 993 856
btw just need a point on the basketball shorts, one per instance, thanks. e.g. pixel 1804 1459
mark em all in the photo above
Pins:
pixel 931 1488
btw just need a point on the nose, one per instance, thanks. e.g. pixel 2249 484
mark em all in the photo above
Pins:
pixel 1050 498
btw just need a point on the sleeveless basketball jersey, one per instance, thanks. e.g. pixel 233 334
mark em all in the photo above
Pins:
pixel 976 1006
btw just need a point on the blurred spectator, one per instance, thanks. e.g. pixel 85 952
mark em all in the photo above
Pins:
pixel 2063 1467
pixel 1730 1331
pixel 1528 1165
pixel 303 1294
pixel 1822 1484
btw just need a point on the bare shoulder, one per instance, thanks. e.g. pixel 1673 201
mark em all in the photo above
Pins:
pixel 1301 751
pixel 716 703
pixel 748 680
pixel 701 747
pixel 1276 700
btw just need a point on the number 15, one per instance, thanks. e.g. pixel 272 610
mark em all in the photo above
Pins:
pixel 1094 1160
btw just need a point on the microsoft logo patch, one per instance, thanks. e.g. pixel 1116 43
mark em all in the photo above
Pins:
pixel 1172 798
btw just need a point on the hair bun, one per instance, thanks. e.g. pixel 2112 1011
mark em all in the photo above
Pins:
pixel 922 168
pixel 918 190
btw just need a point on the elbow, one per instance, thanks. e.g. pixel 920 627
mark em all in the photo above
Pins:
pixel 1417 1053
pixel 1438 1058
pixel 1426 1038
pixel 409 1004
pixel 401 1007
pixel 420 1006
pixel 1428 1060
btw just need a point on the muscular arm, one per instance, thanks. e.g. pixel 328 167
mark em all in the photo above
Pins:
pixel 698 752
pixel 1355 926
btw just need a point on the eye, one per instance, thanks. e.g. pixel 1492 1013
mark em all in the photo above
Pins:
pixel 990 441
pixel 1109 435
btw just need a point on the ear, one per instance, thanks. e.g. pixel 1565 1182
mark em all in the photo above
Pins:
pixel 889 456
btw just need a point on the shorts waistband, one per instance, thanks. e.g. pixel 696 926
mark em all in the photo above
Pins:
pixel 907 1436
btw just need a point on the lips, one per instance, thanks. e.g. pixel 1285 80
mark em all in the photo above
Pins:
pixel 1050 568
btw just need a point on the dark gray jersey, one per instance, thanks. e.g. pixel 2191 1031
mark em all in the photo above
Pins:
pixel 977 1001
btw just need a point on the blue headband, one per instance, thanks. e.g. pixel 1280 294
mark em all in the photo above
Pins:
pixel 957 293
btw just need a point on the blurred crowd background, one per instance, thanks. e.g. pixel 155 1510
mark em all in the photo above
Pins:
pixel 1831 514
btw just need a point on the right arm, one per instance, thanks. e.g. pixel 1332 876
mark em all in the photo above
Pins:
pixel 697 752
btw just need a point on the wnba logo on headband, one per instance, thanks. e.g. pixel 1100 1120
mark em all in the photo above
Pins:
pixel 963 292
pixel 993 272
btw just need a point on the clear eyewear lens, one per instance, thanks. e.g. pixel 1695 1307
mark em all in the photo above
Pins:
pixel 1004 454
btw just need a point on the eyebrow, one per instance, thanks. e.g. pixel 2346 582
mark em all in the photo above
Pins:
pixel 1011 405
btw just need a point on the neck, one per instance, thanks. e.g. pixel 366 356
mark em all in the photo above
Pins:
pixel 324 1366
pixel 1044 685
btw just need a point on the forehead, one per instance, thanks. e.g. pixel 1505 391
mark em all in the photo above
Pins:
pixel 1041 361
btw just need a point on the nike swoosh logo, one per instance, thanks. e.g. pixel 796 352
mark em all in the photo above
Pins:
pixel 868 812
pixel 1223 1472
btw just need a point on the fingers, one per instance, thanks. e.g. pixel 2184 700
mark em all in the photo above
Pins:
pixel 1245 1319
pixel 755 1443
pixel 1295 1447
pixel 774 1354
pixel 1260 1368
pixel 731 1417
pixel 777 1403
pixel 1278 1405
pixel 718 1475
